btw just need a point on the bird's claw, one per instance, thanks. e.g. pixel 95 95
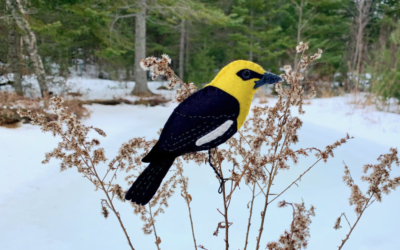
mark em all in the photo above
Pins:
pixel 223 180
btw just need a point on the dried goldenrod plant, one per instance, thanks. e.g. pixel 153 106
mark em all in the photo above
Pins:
pixel 75 150
pixel 254 157
pixel 299 233
pixel 379 183
pixel 263 147
pixel 129 160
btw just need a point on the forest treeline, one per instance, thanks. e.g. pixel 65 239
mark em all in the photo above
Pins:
pixel 360 38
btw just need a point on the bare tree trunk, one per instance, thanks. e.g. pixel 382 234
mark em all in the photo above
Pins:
pixel 393 51
pixel 62 71
pixel 360 50
pixel 383 35
pixel 141 88
pixel 357 46
pixel 13 41
pixel 358 54
pixel 182 50
pixel 364 9
pixel 187 52
pixel 30 41
pixel 84 58
pixel 299 26
pixel 127 73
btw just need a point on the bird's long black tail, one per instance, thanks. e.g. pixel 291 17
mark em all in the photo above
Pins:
pixel 146 185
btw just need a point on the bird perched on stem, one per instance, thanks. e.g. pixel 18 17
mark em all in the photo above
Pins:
pixel 204 120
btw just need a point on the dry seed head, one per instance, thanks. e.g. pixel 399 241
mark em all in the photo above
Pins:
pixel 161 67
pixel 379 180
pixel 302 47
pixel 337 223
pixel 166 57
pixel 299 233
pixel 104 212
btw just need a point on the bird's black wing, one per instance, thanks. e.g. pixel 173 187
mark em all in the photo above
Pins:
pixel 210 114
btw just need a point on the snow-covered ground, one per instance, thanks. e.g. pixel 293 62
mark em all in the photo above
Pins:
pixel 41 208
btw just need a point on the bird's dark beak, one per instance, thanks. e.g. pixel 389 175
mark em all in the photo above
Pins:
pixel 268 78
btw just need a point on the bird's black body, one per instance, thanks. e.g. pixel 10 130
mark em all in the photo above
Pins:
pixel 197 116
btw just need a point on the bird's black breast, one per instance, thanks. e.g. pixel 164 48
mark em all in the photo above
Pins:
pixel 195 117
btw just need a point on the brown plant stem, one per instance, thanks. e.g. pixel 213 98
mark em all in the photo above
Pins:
pixel 226 217
pixel 190 211
pixel 191 224
pixel 242 172
pixel 274 169
pixel 178 78
pixel 111 203
pixel 112 178
pixel 355 224
pixel 115 212
pixel 346 219
pixel 276 197
pixel 154 228
pixel 263 214
pixel 246 167
pixel 225 204
pixel 292 227
pixel 183 84
pixel 251 213
pixel 103 188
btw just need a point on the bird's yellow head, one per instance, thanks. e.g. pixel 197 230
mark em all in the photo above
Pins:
pixel 241 79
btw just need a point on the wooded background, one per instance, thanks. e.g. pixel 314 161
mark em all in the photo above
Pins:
pixel 360 39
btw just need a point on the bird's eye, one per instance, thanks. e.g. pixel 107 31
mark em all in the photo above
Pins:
pixel 246 74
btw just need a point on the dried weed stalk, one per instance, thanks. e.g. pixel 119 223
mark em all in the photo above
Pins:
pixel 260 151
pixel 129 160
pixel 299 233
pixel 263 147
pixel 379 183
pixel 76 151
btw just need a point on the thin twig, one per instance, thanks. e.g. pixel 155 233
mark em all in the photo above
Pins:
pixel 274 170
pixel 240 178
pixel 227 224
pixel 346 219
pixel 113 208
pixel 154 228
pixel 294 182
pixel 355 224
pixel 188 205
pixel 92 168
pixel 251 213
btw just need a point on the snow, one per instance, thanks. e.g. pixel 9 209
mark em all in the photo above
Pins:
pixel 41 208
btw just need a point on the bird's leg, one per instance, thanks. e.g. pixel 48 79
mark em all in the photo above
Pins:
pixel 222 180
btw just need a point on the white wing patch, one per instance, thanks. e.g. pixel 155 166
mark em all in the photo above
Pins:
pixel 214 134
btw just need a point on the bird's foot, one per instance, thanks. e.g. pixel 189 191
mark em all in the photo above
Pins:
pixel 223 180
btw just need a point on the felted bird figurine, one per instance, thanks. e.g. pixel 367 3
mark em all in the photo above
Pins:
pixel 204 120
